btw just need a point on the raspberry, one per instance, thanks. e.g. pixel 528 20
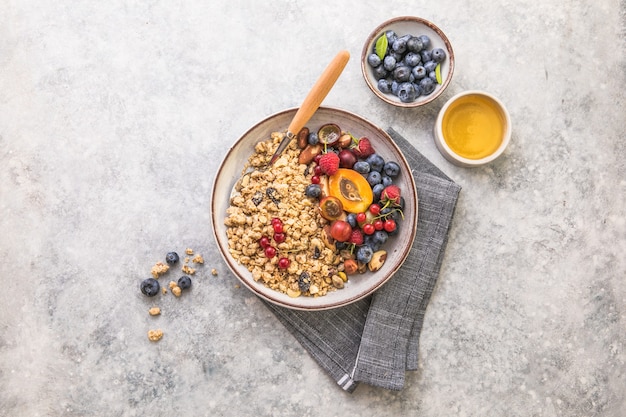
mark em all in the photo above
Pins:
pixel 391 193
pixel 356 237
pixel 363 148
pixel 329 163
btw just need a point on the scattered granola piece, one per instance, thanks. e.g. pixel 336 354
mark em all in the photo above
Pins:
pixel 154 311
pixel 176 291
pixel 172 285
pixel 186 259
pixel 214 272
pixel 189 251
pixel 198 259
pixel 159 269
pixel 155 335
pixel 188 270
pixel 164 290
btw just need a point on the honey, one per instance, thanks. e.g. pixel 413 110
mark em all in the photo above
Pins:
pixel 474 126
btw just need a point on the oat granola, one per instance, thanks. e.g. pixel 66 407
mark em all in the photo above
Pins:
pixel 280 192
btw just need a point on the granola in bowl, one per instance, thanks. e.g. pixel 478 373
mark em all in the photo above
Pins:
pixel 279 193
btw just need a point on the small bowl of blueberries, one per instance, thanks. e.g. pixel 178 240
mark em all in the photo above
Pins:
pixel 407 61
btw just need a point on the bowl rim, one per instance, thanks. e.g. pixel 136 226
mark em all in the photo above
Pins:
pixel 372 38
pixel 232 263
pixel 453 156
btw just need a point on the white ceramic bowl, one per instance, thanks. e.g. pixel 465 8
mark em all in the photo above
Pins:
pixel 358 286
pixel 416 26
pixel 473 101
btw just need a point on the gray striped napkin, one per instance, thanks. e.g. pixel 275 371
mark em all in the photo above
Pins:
pixel 375 340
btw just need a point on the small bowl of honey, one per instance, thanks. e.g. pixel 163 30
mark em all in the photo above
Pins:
pixel 473 128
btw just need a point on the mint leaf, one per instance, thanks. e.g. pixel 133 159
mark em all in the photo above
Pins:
pixel 381 46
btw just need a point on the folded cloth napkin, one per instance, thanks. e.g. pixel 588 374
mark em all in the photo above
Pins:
pixel 375 340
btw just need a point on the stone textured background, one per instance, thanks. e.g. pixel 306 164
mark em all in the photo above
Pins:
pixel 115 115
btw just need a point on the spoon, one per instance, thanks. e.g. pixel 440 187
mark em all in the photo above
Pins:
pixel 312 101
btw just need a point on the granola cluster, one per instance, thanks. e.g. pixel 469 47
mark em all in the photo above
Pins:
pixel 279 192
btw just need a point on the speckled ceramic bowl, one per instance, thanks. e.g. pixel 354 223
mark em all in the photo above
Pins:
pixel 416 26
pixel 358 286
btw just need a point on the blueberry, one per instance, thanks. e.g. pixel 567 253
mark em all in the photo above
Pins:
pixel 389 63
pixel 418 89
pixel 364 254
pixel 376 190
pixel 399 45
pixel 171 258
pixel 426 55
pixel 397 56
pixel 391 168
pixel 380 72
pixel 351 220
pixel 313 190
pixel 380 237
pixel 401 74
pixel 418 72
pixel 406 92
pixel 402 203
pixel 412 59
pixel 433 76
pixel 425 41
pixel 313 139
pixel 361 167
pixel 391 36
pixel 374 178
pixel 376 162
pixel 414 44
pixel 430 66
pixel 384 86
pixel 184 282
pixel 386 181
pixel 438 55
pixel 373 60
pixel 394 87
pixel 427 85
pixel 150 287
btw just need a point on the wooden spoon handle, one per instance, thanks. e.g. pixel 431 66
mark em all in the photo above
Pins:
pixel 318 92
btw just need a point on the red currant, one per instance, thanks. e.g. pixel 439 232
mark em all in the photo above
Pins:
pixel 278 227
pixel 317 170
pixel 283 263
pixel 270 252
pixel 279 237
pixel 378 224
pixel 276 220
pixel 361 217
pixel 315 179
pixel 375 209
pixel 317 158
pixel 390 225
pixel 368 229
pixel 264 242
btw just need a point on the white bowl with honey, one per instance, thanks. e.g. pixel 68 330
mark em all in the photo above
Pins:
pixel 473 128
